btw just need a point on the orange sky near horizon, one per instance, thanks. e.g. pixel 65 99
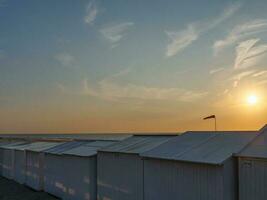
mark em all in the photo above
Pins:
pixel 132 66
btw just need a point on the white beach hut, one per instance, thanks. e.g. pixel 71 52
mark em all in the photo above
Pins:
pixel 54 175
pixel 35 163
pixel 2 143
pixel 80 171
pixel 120 169
pixel 195 165
pixel 8 158
pixel 253 169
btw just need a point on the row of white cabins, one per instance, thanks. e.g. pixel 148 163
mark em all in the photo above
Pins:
pixel 194 165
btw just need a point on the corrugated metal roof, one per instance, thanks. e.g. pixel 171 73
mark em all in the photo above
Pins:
pixel 257 148
pixel 3 143
pixel 90 136
pixel 202 147
pixel 137 144
pixel 40 146
pixel 88 149
pixel 19 146
pixel 9 145
pixel 59 149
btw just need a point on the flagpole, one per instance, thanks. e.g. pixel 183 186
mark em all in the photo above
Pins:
pixel 215 120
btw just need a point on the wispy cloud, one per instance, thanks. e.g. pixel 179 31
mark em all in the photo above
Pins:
pixel 226 14
pixel 111 90
pixel 261 77
pixel 116 32
pixel 248 54
pixel 240 32
pixel 65 59
pixel 91 13
pixel 179 40
pixel 261 73
pixel 214 71
pixel 242 75
pixel 238 77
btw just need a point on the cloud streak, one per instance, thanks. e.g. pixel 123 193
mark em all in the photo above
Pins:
pixel 240 32
pixel 261 73
pixel 65 59
pixel 111 90
pixel 238 77
pixel 214 71
pixel 115 33
pixel 249 54
pixel 91 13
pixel 179 40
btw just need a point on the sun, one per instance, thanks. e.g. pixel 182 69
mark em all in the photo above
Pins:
pixel 252 99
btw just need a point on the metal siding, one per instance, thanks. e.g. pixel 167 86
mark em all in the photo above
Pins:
pixel 54 175
pixel 252 179
pixel 80 178
pixel 8 159
pixel 1 161
pixel 34 175
pixel 177 180
pixel 120 176
pixel 20 166
pixel 230 179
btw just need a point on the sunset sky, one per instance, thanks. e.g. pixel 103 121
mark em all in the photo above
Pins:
pixel 74 66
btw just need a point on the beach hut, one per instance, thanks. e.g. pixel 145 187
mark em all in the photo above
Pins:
pixel 19 157
pixel 120 167
pixel 35 163
pixel 253 169
pixel 80 171
pixel 195 165
pixel 8 158
pixel 54 176
pixel 2 143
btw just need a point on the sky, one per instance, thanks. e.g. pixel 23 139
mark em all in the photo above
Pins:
pixel 70 66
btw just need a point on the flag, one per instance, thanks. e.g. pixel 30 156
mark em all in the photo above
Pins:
pixel 210 117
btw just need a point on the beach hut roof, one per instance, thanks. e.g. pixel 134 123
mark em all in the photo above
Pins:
pixel 14 144
pixel 40 146
pixel 99 136
pixel 137 144
pixel 61 148
pixel 202 147
pixel 257 148
pixel 88 149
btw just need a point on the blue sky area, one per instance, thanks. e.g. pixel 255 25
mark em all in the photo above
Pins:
pixel 123 66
